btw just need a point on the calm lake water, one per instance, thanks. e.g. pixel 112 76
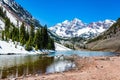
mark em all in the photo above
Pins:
pixel 83 53
pixel 21 65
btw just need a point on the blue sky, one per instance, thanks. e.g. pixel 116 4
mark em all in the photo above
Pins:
pixel 51 12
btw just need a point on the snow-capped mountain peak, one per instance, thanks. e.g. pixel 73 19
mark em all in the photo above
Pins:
pixel 65 22
pixel 76 28
pixel 108 21
pixel 76 20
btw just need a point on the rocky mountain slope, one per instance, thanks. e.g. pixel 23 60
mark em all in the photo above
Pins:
pixel 107 41
pixel 17 13
pixel 77 28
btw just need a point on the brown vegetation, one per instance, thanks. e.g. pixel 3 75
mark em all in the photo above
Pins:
pixel 112 45
pixel 107 41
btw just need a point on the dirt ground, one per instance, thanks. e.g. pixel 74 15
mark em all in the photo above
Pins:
pixel 92 68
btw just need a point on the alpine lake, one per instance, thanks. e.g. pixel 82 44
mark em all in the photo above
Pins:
pixel 12 66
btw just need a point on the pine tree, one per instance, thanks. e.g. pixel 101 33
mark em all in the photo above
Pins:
pixel 44 37
pixel 28 46
pixel 1 11
pixel 14 34
pixel 37 39
pixel 32 34
pixel 22 34
pixel 51 44
pixel 3 35
pixel 26 36
pixel 7 26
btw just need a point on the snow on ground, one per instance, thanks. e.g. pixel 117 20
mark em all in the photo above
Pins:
pixel 10 47
pixel 59 47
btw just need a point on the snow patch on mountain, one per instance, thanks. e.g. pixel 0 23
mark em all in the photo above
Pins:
pixel 10 47
pixel 2 24
pixel 59 47
pixel 76 28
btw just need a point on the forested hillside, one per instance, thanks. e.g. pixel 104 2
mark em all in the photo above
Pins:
pixel 29 37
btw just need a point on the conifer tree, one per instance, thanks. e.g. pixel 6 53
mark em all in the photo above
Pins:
pixel 51 44
pixel 7 26
pixel 14 35
pixel 28 46
pixel 3 35
pixel 37 39
pixel 32 31
pixel 32 34
pixel 26 35
pixel 45 36
pixel 22 34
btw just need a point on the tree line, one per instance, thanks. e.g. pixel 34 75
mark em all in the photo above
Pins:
pixel 30 38
pixel 38 39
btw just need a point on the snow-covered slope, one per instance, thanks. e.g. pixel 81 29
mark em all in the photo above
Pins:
pixel 10 47
pixel 59 47
pixel 76 28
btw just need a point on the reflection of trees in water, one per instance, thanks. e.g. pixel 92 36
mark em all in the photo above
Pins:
pixel 29 65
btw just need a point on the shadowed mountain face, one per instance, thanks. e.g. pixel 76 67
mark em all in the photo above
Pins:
pixel 107 41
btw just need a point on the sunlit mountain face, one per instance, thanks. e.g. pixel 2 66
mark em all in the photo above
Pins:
pixel 77 28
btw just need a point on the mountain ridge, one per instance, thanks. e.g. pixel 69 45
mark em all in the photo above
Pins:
pixel 18 14
pixel 77 28
pixel 107 41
